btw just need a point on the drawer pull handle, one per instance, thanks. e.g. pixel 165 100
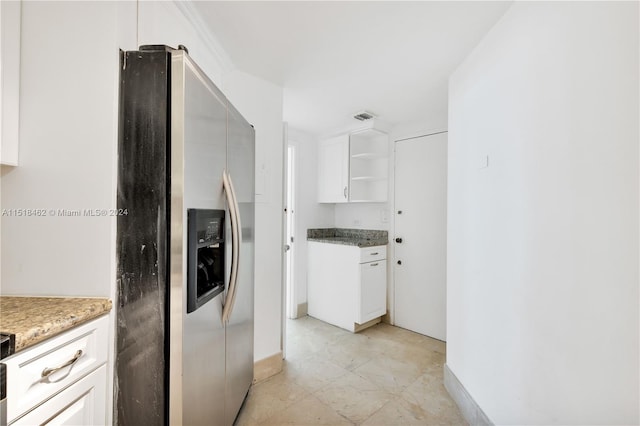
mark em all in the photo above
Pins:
pixel 374 264
pixel 48 371
pixel 374 254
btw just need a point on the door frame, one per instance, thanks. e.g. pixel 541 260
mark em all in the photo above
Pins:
pixel 284 263
pixel 291 307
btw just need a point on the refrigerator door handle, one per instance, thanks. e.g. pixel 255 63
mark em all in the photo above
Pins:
pixel 239 241
pixel 235 243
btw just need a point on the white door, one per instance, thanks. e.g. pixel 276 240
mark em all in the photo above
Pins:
pixel 421 234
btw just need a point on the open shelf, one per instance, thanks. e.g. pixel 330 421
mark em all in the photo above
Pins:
pixel 369 166
pixel 368 178
pixel 369 156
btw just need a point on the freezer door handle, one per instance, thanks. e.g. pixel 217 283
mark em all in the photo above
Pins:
pixel 236 238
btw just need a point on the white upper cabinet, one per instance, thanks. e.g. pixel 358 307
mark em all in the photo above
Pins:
pixel 333 170
pixel 9 80
pixel 354 168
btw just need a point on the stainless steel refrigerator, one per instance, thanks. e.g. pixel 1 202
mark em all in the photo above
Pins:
pixel 185 251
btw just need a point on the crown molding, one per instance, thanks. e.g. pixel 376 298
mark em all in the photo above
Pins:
pixel 213 45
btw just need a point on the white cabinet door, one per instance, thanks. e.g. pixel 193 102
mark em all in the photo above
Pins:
pixel 333 170
pixel 80 404
pixel 373 291
pixel 332 283
pixel 9 80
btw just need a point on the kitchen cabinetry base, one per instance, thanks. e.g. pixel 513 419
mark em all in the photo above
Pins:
pixel 359 327
pixel 356 328
pixel 347 284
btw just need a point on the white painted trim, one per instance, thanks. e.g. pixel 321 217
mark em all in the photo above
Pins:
pixel 426 132
pixel 267 367
pixel 420 136
pixel 211 41
pixel 468 406
pixel 302 310
pixel 283 240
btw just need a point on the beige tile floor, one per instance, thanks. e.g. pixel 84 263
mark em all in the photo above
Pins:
pixel 384 375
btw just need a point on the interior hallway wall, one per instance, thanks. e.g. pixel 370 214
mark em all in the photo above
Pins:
pixel 260 102
pixel 543 243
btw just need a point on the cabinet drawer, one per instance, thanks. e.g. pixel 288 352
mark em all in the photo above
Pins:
pixel 81 404
pixel 370 254
pixel 29 385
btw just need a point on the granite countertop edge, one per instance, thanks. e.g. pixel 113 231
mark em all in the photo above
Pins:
pixel 34 319
pixel 349 237
pixel 350 242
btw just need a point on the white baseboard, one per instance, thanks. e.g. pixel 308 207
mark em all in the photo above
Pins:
pixel 267 367
pixel 467 405
pixel 302 310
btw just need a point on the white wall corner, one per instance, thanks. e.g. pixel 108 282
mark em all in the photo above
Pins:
pixel 469 408
pixel 211 41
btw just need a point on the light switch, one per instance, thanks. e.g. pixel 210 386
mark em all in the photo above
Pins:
pixel 384 216
pixel 484 162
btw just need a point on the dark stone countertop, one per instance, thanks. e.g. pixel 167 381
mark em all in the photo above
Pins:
pixel 349 237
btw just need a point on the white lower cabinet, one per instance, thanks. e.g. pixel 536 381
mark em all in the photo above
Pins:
pixel 372 297
pixel 347 285
pixel 83 403
pixel 62 380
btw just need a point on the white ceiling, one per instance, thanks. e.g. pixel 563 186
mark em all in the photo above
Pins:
pixel 336 58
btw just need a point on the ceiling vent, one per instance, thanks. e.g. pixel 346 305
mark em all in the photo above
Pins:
pixel 364 116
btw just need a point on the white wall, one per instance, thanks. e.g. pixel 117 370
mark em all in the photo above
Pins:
pixel 307 211
pixel 543 244
pixel 362 215
pixel 68 133
pixel 260 102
